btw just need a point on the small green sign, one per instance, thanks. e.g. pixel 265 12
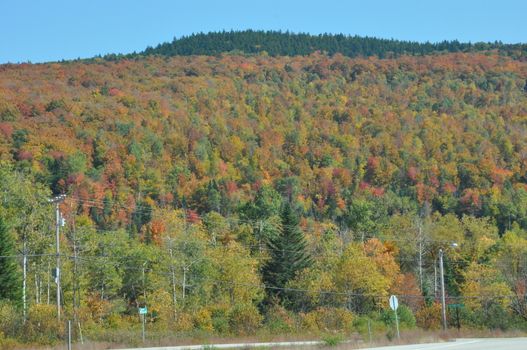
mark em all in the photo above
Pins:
pixel 456 305
pixel 143 310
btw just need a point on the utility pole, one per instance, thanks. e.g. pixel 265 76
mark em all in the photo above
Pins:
pixel 143 314
pixel 57 200
pixel 443 304
pixel 76 288
pixel 144 285
pixel 184 287
pixel 24 281
pixel 174 300
pixel 420 237
pixel 49 269
pixel 185 270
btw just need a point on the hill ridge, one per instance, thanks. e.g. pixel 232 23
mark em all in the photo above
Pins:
pixel 278 43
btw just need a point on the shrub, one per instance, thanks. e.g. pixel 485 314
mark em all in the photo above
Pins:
pixel 332 339
pixel 220 318
pixel 429 317
pixel 203 320
pixel 42 325
pixel 184 322
pixel 10 319
pixel 7 343
pixel 366 324
pixel 495 316
pixel 406 318
pixel 115 321
pixel 161 308
pixel 98 307
pixel 328 319
pixel 245 319
pixel 279 320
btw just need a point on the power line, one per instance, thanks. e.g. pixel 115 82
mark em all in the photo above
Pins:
pixel 159 272
pixel 99 205
pixel 26 255
pixel 290 289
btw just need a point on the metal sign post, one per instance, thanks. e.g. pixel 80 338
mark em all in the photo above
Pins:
pixel 457 307
pixel 69 335
pixel 143 317
pixel 394 304
pixel 142 313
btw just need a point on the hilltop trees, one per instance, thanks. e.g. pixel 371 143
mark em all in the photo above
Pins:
pixel 278 43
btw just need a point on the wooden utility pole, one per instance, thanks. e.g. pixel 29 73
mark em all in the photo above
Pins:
pixel 57 200
pixel 443 303
pixel 24 280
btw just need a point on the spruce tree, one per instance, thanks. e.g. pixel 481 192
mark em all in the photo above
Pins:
pixel 288 254
pixel 9 274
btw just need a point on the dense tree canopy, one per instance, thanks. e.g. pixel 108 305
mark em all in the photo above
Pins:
pixel 277 43
pixel 177 170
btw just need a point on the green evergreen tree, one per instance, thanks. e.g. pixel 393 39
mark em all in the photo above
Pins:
pixel 10 287
pixel 277 43
pixel 263 213
pixel 288 254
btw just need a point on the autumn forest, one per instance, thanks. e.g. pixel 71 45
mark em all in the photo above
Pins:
pixel 241 193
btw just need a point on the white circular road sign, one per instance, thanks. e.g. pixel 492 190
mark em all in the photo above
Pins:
pixel 394 303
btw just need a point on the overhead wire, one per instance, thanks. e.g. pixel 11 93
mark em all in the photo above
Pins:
pixel 119 263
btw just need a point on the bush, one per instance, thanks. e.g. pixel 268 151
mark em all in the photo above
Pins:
pixel 376 326
pixel 203 320
pixel 42 325
pixel 161 308
pixel 332 339
pixel 495 316
pixel 328 319
pixel 220 319
pixel 245 319
pixel 115 321
pixel 405 315
pixel 279 320
pixel 98 307
pixel 7 343
pixel 429 317
pixel 184 322
pixel 10 319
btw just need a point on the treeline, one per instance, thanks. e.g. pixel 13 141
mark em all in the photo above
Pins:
pixel 277 43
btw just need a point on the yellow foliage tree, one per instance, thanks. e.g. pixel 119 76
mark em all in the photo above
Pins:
pixel 484 286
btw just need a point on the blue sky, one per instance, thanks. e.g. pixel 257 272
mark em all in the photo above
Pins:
pixel 47 30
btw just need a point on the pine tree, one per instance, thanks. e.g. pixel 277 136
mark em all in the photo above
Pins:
pixel 277 43
pixel 288 254
pixel 9 275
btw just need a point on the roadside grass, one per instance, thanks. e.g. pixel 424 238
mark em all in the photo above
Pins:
pixel 334 341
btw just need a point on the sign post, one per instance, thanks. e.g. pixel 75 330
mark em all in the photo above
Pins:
pixel 457 307
pixel 394 304
pixel 142 312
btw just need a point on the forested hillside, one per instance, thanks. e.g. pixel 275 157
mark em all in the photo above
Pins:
pixel 234 194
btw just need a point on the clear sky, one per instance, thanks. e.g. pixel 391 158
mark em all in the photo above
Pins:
pixel 46 30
